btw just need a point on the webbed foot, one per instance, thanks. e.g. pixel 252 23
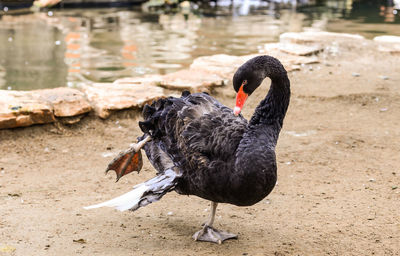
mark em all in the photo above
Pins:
pixel 210 234
pixel 126 162
pixel 129 160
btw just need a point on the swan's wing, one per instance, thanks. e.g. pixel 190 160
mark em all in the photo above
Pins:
pixel 208 132
pixel 192 130
pixel 210 135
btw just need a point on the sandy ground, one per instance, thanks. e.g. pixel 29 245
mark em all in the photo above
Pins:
pixel 338 189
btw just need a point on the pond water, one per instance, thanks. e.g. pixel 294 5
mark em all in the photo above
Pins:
pixel 66 47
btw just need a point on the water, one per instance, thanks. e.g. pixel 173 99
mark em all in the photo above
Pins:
pixel 65 47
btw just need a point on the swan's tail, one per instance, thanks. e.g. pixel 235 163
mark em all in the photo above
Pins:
pixel 144 193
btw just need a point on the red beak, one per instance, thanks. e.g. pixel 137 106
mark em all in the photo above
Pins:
pixel 241 98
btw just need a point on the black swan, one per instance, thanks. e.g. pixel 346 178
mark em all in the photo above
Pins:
pixel 200 147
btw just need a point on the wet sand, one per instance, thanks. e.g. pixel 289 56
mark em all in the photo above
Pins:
pixel 338 189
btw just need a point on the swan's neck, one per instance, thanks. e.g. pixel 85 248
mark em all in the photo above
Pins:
pixel 272 109
pixel 258 143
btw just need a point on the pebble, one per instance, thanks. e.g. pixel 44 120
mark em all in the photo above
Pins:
pixel 80 241
pixel 384 77
pixel 107 154
pixel 7 249
pixel 16 108
pixel 383 109
pixel 355 74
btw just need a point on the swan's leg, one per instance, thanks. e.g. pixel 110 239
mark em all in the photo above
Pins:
pixel 137 146
pixel 210 234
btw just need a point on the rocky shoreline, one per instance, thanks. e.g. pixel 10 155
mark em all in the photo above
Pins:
pixel 70 105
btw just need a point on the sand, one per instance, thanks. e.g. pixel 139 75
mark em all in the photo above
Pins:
pixel 338 189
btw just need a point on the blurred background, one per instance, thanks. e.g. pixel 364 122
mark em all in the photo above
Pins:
pixel 53 43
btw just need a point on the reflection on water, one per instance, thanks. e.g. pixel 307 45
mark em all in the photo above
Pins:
pixel 109 45
pixel 69 46
pixel 29 55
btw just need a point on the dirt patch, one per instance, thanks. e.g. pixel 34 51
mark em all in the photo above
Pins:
pixel 338 189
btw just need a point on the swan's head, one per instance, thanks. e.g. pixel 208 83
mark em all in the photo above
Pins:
pixel 245 81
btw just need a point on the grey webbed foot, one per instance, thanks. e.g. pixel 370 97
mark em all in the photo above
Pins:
pixel 210 234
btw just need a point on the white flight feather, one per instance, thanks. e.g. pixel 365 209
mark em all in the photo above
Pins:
pixel 125 201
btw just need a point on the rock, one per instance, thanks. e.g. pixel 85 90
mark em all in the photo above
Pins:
pixel 71 119
pixel 194 80
pixel 66 102
pixel 145 80
pixel 312 37
pixel 293 68
pixel 25 108
pixel 387 39
pixel 107 97
pixel 389 44
pixel 294 49
pixel 299 60
pixel 19 109
pixel 221 64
